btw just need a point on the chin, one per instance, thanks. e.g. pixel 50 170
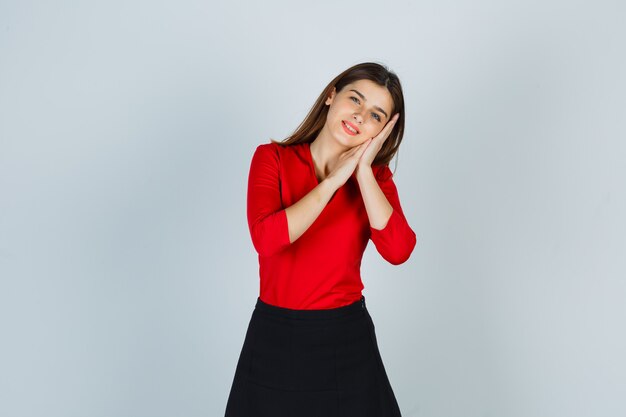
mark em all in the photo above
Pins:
pixel 343 141
pixel 349 141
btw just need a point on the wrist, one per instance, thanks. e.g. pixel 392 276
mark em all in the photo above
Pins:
pixel 364 170
pixel 329 184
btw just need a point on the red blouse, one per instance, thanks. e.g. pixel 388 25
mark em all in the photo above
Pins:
pixel 321 269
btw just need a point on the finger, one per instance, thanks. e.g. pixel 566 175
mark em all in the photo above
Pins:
pixel 392 122
pixel 353 150
pixel 387 129
pixel 357 151
pixel 363 147
pixel 356 148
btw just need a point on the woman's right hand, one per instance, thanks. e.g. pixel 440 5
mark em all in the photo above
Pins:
pixel 347 163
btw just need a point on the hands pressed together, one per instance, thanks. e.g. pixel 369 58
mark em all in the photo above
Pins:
pixel 361 156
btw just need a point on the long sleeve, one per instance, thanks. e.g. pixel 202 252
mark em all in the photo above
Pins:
pixel 267 219
pixel 394 242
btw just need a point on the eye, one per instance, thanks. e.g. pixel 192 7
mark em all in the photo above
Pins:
pixel 376 116
pixel 356 100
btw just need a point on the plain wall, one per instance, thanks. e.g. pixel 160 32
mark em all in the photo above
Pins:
pixel 127 274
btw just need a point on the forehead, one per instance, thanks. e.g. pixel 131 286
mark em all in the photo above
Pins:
pixel 375 95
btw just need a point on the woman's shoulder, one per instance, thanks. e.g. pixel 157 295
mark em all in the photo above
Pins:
pixel 267 149
pixel 278 149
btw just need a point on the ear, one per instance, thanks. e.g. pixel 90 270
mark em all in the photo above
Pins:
pixel 329 100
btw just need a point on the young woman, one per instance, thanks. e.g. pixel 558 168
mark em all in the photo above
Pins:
pixel 314 200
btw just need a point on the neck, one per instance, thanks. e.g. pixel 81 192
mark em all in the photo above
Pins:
pixel 325 151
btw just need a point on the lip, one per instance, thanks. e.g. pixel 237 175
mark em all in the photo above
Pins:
pixel 352 126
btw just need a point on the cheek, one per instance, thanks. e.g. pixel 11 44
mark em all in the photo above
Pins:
pixel 365 139
pixel 335 114
pixel 374 131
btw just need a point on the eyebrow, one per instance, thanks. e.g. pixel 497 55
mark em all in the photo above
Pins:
pixel 376 107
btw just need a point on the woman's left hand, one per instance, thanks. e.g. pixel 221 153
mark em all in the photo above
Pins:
pixel 376 143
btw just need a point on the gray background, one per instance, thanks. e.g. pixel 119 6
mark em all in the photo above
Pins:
pixel 126 130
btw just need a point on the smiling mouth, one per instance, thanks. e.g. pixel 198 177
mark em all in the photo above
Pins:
pixel 349 128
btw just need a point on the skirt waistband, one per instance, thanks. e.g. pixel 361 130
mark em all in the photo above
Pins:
pixel 330 313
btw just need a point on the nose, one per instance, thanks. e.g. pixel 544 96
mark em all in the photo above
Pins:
pixel 358 118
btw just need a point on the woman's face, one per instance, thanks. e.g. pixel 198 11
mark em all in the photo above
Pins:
pixel 362 105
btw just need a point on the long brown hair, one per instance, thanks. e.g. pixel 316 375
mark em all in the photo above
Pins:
pixel 316 118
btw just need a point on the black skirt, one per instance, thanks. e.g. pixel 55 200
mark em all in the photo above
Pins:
pixel 311 363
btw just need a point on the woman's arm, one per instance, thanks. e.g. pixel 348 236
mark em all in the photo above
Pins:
pixel 301 215
pixel 273 227
pixel 393 237
pixel 378 208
